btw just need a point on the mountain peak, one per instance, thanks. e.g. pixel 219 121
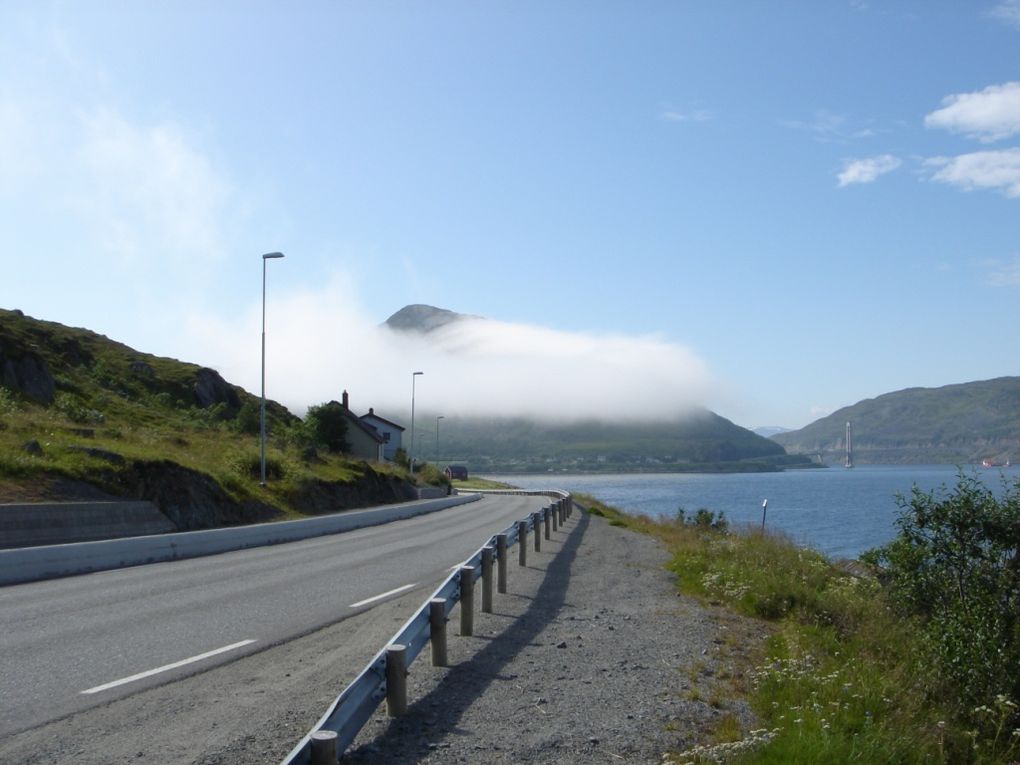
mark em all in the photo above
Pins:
pixel 419 317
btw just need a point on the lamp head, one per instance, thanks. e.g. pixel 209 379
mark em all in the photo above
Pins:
pixel 270 255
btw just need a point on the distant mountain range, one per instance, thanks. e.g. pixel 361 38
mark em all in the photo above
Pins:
pixel 701 441
pixel 955 424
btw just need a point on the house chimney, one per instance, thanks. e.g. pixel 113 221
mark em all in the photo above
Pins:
pixel 346 401
pixel 371 410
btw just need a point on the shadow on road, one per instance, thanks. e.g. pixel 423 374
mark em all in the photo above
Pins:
pixel 438 713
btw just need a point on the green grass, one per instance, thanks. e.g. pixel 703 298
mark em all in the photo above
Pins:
pixel 480 483
pixel 836 681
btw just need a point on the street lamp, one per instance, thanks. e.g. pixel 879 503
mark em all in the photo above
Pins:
pixel 262 414
pixel 413 375
pixel 440 417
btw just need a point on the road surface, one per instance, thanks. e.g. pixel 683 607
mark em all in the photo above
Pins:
pixel 72 643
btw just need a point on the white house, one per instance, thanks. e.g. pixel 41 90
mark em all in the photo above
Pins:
pixel 391 433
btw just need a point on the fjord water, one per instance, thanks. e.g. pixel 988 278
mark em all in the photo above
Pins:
pixel 837 511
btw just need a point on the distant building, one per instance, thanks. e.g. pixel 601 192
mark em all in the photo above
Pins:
pixel 365 441
pixel 456 473
pixel 391 433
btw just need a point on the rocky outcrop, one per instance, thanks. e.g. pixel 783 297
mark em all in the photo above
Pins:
pixel 28 373
pixel 212 389
pixel 317 497
pixel 190 499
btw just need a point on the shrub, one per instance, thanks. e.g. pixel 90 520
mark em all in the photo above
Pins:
pixel 703 519
pixel 74 410
pixel 327 426
pixel 8 401
pixel 249 418
pixel 401 458
pixel 956 565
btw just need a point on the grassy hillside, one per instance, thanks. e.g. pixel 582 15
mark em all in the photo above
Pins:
pixel 82 416
pixel 960 424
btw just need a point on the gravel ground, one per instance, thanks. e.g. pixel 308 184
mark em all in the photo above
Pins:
pixel 590 657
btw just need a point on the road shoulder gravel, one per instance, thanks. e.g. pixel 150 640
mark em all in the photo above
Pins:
pixel 592 656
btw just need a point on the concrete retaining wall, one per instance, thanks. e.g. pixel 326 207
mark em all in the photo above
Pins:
pixel 34 563
pixel 35 524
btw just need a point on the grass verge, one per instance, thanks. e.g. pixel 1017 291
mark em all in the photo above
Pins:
pixel 839 680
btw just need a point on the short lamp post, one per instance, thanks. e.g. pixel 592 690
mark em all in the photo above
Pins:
pixel 262 409
pixel 438 418
pixel 414 376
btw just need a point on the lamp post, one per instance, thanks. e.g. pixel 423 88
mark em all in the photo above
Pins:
pixel 438 418
pixel 262 410
pixel 413 376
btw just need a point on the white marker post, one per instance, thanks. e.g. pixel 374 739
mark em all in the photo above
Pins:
pixel 764 507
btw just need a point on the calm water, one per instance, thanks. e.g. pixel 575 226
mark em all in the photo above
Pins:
pixel 840 512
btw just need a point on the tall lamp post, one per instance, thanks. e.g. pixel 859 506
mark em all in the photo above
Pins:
pixel 413 376
pixel 440 417
pixel 262 410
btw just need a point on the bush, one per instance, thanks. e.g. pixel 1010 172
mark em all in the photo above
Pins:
pixel 400 457
pixel 8 401
pixel 703 519
pixel 956 565
pixel 72 408
pixel 327 426
pixel 249 418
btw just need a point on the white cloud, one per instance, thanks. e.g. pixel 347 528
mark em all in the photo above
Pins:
pixel 988 115
pixel 1008 12
pixel 828 127
pixel 980 170
pixel 149 191
pixel 320 342
pixel 867 170
pixel 692 115
pixel 1004 274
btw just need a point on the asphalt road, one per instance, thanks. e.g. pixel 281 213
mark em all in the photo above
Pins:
pixel 69 644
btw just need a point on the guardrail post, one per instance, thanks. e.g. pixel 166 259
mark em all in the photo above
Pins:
pixel 467 600
pixel 396 680
pixel 437 631
pixel 555 517
pixel 501 562
pixel 522 543
pixel 570 505
pixel 324 747
pixel 535 523
pixel 546 522
pixel 487 580
pixel 563 515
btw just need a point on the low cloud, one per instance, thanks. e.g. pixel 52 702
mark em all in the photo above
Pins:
pixel 999 170
pixel 988 115
pixel 867 170
pixel 322 342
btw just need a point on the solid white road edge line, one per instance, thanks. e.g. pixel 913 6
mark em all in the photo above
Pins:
pixel 380 597
pixel 167 667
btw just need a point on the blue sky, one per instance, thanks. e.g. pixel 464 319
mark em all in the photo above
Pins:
pixel 773 209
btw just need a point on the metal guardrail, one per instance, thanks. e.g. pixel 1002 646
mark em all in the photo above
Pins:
pixel 339 726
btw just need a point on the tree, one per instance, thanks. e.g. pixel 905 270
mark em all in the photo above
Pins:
pixel 956 565
pixel 327 426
